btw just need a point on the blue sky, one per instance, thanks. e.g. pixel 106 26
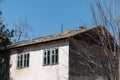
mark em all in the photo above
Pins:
pixel 46 16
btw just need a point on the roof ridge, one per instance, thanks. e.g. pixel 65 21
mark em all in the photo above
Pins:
pixel 67 34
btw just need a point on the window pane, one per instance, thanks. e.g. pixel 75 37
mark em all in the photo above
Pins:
pixel 18 57
pixel 53 60
pixel 27 60
pixel 21 61
pixel 18 64
pixel 44 53
pixel 56 51
pixel 53 52
pixel 53 56
pixel 48 52
pixel 27 63
pixel 56 58
pixel 45 60
pixel 18 61
pixel 27 56
pixel 48 57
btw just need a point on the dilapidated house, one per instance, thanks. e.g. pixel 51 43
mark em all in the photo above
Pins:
pixel 66 56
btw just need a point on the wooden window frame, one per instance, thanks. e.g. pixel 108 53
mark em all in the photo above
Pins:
pixel 50 58
pixel 23 60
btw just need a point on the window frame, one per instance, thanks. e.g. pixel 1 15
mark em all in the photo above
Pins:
pixel 22 61
pixel 51 60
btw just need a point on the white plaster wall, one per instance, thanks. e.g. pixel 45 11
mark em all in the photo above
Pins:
pixel 36 70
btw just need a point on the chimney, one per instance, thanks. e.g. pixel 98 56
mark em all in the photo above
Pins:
pixel 82 28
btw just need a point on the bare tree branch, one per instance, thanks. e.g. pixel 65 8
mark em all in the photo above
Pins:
pixel 21 31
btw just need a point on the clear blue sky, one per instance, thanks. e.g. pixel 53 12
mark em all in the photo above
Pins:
pixel 46 16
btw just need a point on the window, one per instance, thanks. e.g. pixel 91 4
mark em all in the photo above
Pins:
pixel 23 60
pixel 50 56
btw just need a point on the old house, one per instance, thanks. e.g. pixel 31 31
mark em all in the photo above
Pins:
pixel 55 57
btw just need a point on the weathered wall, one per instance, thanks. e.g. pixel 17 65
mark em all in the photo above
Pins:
pixel 36 70
pixel 79 66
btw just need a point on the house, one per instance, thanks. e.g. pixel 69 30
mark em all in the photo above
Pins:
pixel 55 57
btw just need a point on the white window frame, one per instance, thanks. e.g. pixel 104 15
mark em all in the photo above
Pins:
pixel 21 63
pixel 45 57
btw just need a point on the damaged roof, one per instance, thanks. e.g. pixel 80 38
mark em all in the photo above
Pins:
pixel 64 35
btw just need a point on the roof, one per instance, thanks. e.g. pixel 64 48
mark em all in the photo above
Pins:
pixel 64 35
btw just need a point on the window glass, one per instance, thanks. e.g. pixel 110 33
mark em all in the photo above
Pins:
pixel 18 61
pixel 27 60
pixel 56 55
pixel 48 57
pixel 21 60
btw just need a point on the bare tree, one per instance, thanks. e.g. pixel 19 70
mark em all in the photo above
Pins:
pixel 106 15
pixel 21 31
